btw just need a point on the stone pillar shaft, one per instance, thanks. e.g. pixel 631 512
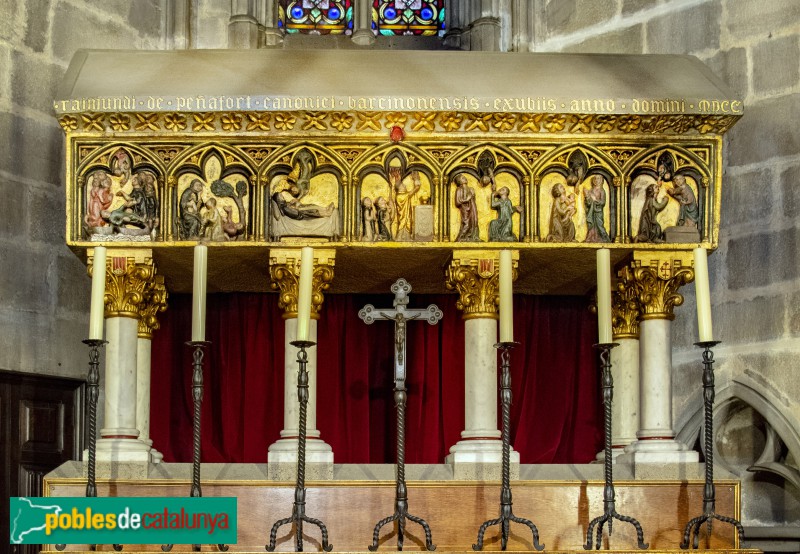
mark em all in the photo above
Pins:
pixel 285 274
pixel 120 379
pixel 657 276
pixel 480 376
pixel 474 274
pixel 291 406
pixel 133 294
pixel 655 354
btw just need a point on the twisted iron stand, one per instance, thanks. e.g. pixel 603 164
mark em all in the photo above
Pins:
pixel 506 513
pixel 93 384
pixel 299 510
pixel 709 493
pixel 609 509
pixel 197 397
pixel 401 492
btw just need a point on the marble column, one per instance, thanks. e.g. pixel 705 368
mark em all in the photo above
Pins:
pixel 285 273
pixel 362 23
pixel 129 280
pixel 657 277
pixel 624 364
pixel 155 303
pixel 474 275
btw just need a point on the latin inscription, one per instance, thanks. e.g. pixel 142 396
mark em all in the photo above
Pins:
pixel 530 104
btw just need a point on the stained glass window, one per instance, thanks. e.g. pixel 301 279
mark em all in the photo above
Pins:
pixel 408 17
pixel 316 16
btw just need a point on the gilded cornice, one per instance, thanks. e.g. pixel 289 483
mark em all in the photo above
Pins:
pixel 379 122
pixel 284 270
pixel 625 307
pixel 154 303
pixel 475 276
pixel 657 277
pixel 129 279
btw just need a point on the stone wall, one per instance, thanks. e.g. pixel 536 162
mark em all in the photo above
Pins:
pixel 755 48
pixel 44 289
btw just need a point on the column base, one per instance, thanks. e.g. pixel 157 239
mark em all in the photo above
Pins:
pixel 284 451
pixel 660 451
pixel 121 450
pixel 156 456
pixel 481 460
pixel 363 37
pixel 616 451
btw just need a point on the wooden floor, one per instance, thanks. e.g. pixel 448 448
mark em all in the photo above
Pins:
pixel 455 510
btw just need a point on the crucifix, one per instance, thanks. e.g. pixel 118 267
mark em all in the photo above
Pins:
pixel 400 314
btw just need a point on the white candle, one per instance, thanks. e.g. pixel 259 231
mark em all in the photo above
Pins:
pixel 304 293
pixel 506 297
pixel 199 293
pixel 604 295
pixel 96 315
pixel 703 294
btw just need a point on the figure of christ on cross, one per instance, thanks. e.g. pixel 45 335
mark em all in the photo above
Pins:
pixel 400 314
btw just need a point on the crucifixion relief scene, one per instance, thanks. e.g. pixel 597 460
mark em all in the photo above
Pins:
pixel 400 275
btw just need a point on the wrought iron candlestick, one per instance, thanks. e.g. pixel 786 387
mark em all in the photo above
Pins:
pixel 709 492
pixel 197 397
pixel 401 491
pixel 299 510
pixel 506 513
pixel 93 386
pixel 401 314
pixel 609 496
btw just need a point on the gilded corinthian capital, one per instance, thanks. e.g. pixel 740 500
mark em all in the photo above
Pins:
pixel 155 302
pixel 284 271
pixel 129 281
pixel 625 306
pixel 658 276
pixel 475 275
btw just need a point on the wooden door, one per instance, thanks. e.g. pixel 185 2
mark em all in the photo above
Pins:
pixel 41 426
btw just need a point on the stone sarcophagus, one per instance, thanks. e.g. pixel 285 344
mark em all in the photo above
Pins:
pixel 393 159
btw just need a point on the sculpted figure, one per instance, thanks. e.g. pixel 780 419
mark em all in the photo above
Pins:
pixel 594 202
pixel 189 221
pixel 150 204
pixel 465 202
pixel 383 213
pixel 501 229
pixel 289 204
pixel 369 220
pixel 231 229
pixel 689 213
pixel 649 228
pixel 562 228
pixel 404 203
pixel 132 210
pixel 121 166
pixel 295 218
pixel 212 222
pixel 100 199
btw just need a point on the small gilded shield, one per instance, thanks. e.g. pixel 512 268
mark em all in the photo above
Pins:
pixel 486 267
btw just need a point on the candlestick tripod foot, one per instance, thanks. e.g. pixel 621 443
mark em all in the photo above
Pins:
pixel 506 514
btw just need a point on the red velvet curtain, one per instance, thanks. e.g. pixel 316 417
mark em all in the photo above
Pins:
pixel 556 412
